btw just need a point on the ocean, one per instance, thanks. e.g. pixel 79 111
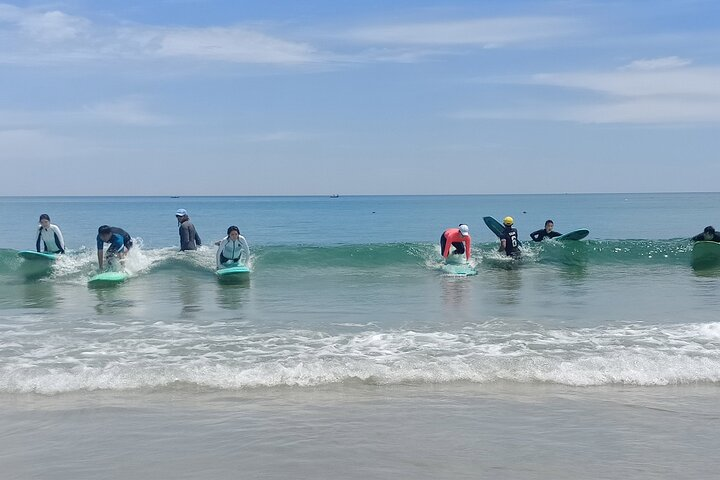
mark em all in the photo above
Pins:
pixel 349 353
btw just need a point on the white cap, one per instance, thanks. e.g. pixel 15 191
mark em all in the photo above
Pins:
pixel 181 212
pixel 464 230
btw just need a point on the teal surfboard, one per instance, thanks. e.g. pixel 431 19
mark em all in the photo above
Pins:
pixel 107 279
pixel 706 254
pixel 495 226
pixel 574 235
pixel 37 256
pixel 237 272
pixel 459 269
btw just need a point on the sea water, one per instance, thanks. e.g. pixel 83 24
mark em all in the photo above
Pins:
pixel 349 353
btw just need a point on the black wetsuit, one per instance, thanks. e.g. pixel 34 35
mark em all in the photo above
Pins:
pixel 189 239
pixel 538 235
pixel 701 238
pixel 512 244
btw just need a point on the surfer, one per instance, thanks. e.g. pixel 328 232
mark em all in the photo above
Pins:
pixel 459 238
pixel 708 235
pixel 232 248
pixel 49 237
pixel 548 232
pixel 119 240
pixel 509 242
pixel 189 238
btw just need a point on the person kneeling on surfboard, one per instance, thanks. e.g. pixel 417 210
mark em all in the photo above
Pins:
pixel 49 237
pixel 120 243
pixel 509 242
pixel 189 238
pixel 459 238
pixel 548 232
pixel 708 235
pixel 232 248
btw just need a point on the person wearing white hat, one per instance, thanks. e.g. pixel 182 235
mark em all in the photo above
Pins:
pixel 189 238
pixel 460 240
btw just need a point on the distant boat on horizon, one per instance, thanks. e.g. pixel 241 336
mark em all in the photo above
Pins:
pixel 175 197
pixel 335 195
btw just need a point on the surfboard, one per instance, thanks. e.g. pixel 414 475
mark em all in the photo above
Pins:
pixel 239 271
pixel 706 254
pixel 459 269
pixel 37 256
pixel 107 279
pixel 495 226
pixel 574 235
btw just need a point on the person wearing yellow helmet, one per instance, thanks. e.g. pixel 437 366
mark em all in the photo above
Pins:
pixel 509 242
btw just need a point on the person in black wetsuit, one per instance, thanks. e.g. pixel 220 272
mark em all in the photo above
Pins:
pixel 546 232
pixel 509 242
pixel 708 235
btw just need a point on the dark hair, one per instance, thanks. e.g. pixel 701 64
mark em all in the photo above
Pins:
pixel 231 228
pixel 44 216
pixel 549 221
pixel 104 229
pixel 709 229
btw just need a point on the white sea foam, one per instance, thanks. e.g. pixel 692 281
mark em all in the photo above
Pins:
pixel 161 354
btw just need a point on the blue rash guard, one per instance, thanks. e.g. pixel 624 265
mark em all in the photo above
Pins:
pixel 119 239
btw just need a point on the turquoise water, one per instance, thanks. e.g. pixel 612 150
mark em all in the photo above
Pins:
pixel 347 305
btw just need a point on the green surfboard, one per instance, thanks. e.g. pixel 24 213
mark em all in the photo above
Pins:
pixel 574 235
pixel 459 269
pixel 37 256
pixel 237 272
pixel 107 279
pixel 495 226
pixel 705 254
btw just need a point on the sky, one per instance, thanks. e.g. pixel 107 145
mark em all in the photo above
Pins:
pixel 204 97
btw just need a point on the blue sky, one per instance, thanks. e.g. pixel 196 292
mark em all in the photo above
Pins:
pixel 183 97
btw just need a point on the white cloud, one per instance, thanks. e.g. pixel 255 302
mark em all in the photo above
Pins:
pixel 485 32
pixel 658 63
pixel 126 111
pixel 36 37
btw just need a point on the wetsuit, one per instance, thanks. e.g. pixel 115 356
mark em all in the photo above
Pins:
pixel 512 244
pixel 50 240
pixel 701 238
pixel 452 236
pixel 231 251
pixel 538 235
pixel 119 241
pixel 189 239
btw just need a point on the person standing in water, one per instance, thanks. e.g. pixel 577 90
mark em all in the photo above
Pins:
pixel 509 242
pixel 546 232
pixel 49 237
pixel 708 235
pixel 120 243
pixel 232 249
pixel 458 238
pixel 189 238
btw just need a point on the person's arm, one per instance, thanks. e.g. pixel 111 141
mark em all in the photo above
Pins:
pixel 246 249
pixel 554 234
pixel 503 242
pixel 39 242
pixel 198 242
pixel 697 238
pixel 100 259
pixel 536 235
pixel 59 238
pixel 184 237
pixel 221 246
pixel 446 250
pixel 467 247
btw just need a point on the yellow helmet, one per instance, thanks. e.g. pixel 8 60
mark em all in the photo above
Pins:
pixel 507 221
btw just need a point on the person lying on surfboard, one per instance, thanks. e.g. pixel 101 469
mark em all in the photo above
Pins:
pixel 232 248
pixel 49 237
pixel 120 243
pixel 459 238
pixel 548 232
pixel 509 242
pixel 708 235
